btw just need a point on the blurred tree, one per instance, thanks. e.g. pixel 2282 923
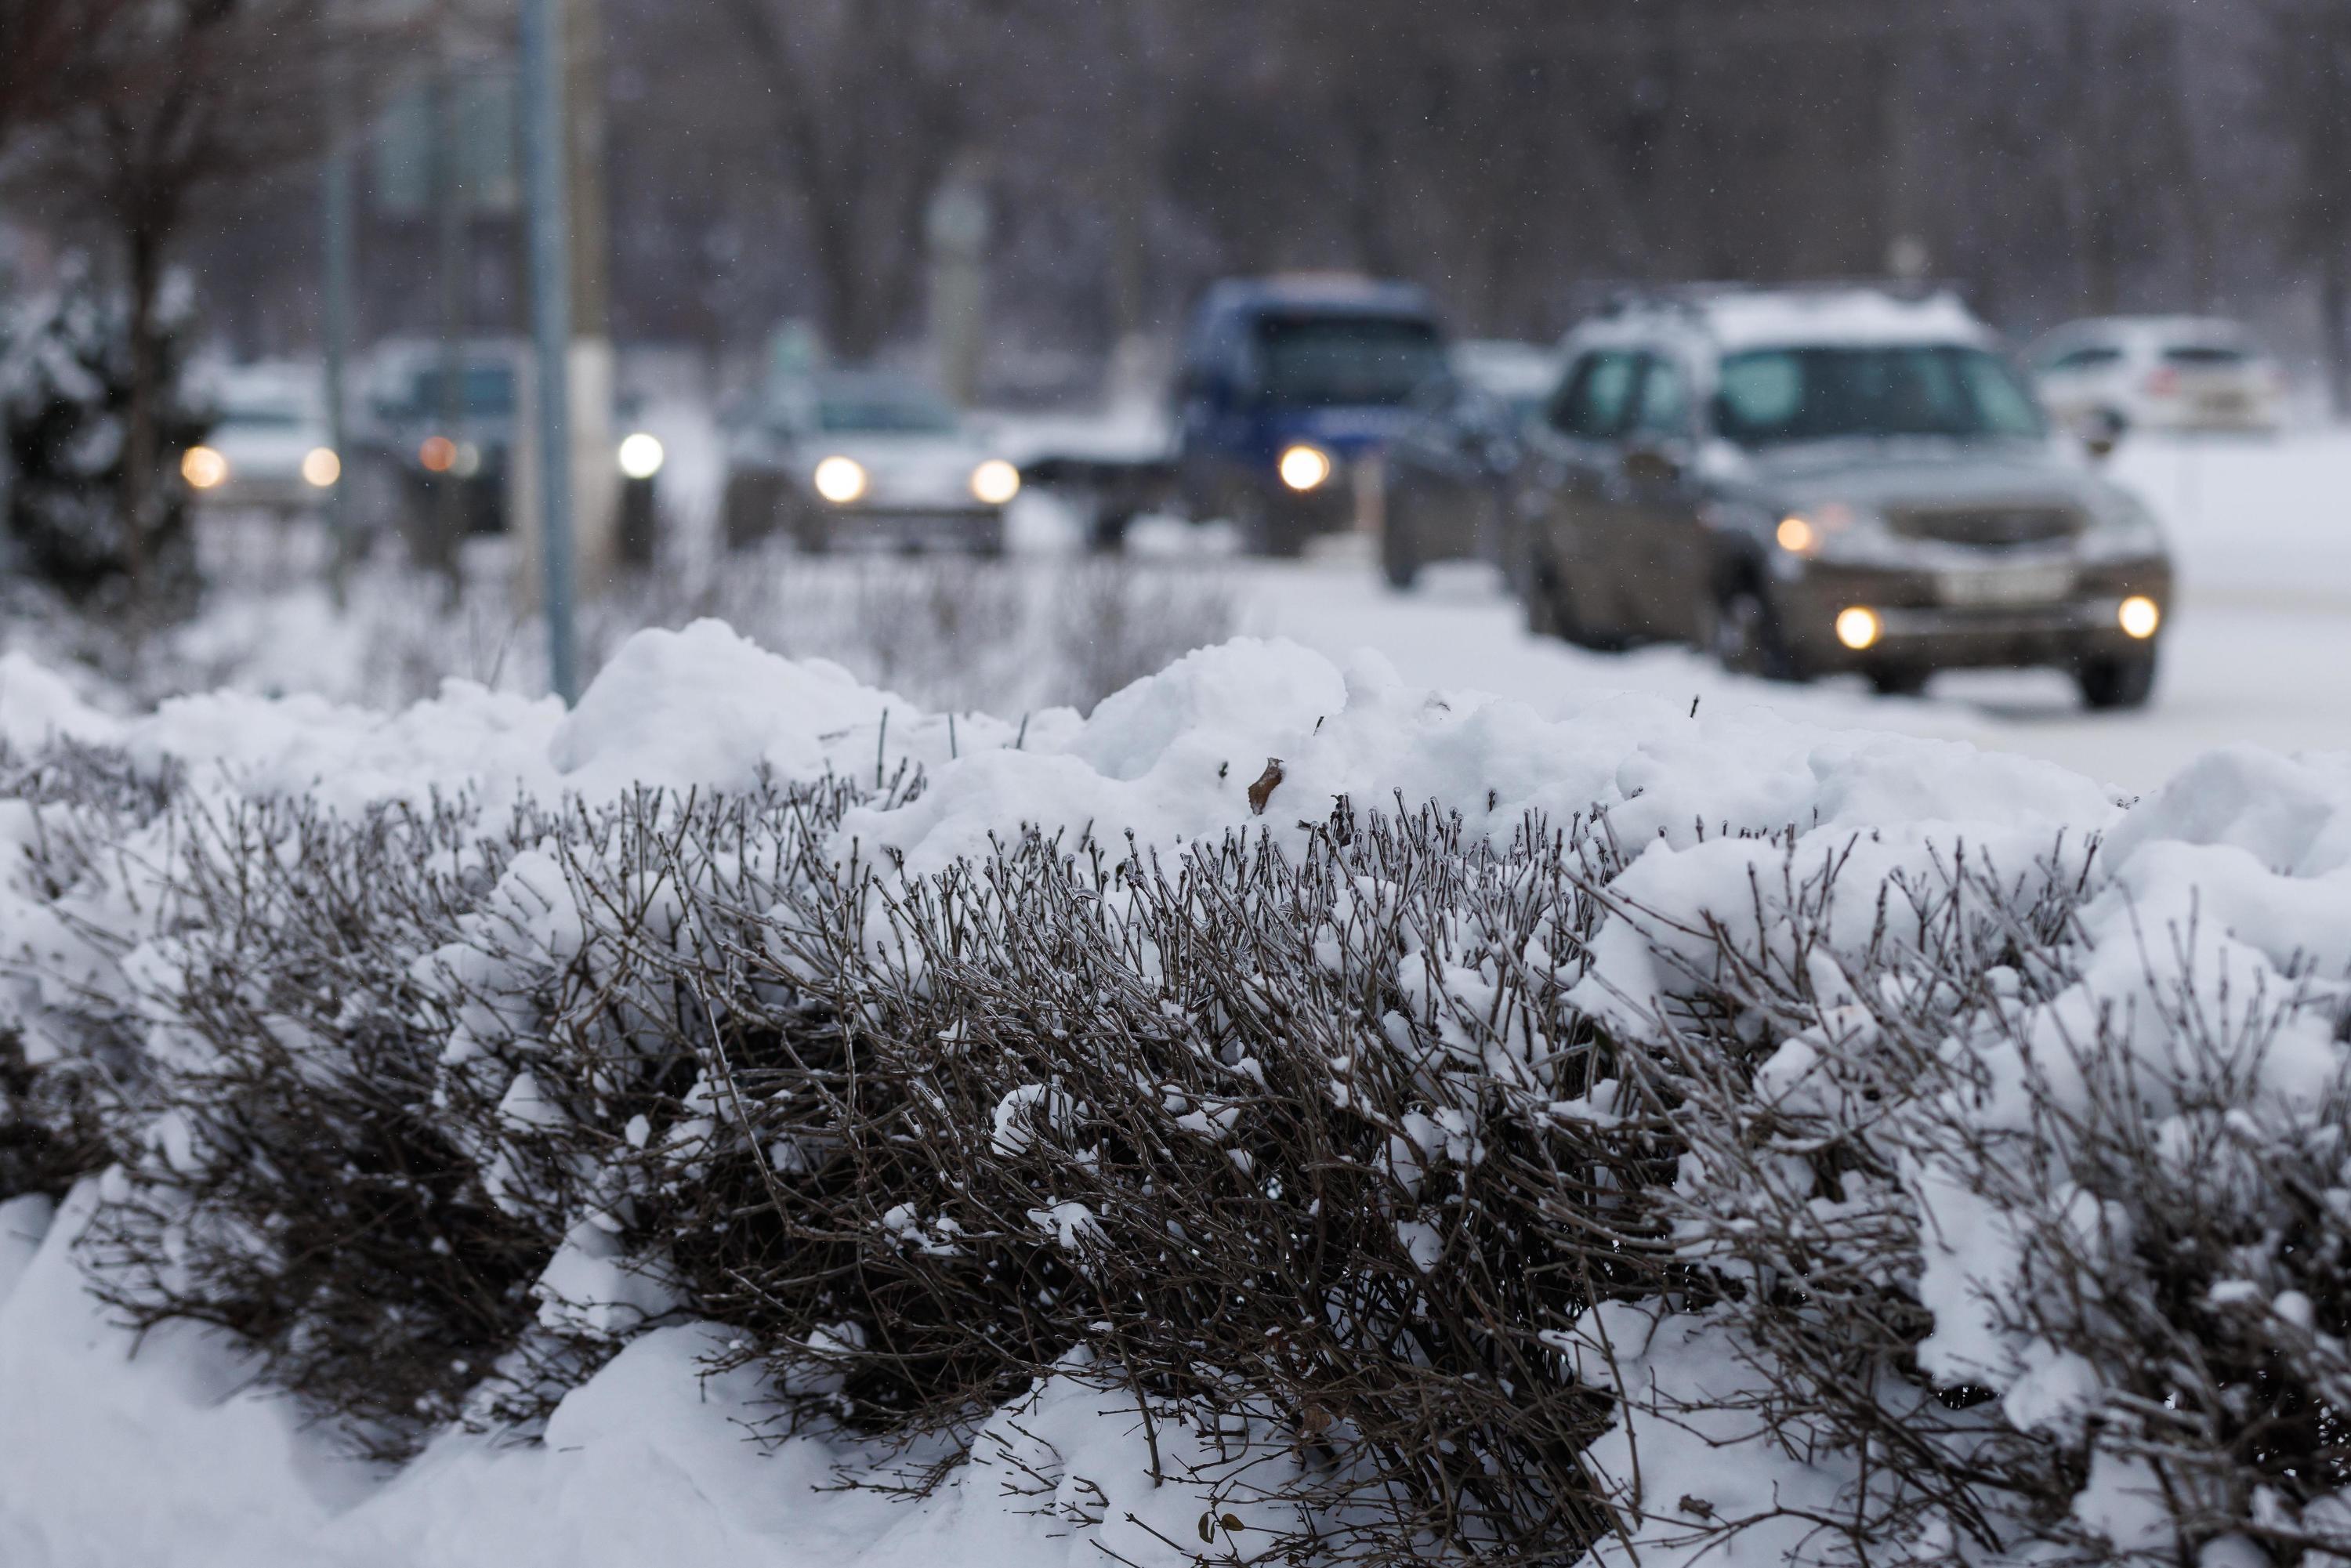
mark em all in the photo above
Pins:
pixel 868 101
pixel 2308 59
pixel 65 391
pixel 170 103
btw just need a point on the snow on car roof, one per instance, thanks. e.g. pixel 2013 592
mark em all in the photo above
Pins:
pixel 1858 316
pixel 1731 320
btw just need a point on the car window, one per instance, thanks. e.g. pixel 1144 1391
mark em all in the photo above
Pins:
pixel 1596 400
pixel 1775 395
pixel 1663 412
pixel 2091 358
pixel 2205 356
pixel 1318 360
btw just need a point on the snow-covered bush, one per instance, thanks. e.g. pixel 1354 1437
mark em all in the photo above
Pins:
pixel 65 402
pixel 1647 1182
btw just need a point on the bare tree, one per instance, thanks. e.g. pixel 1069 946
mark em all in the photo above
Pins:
pixel 171 104
pixel 868 101
pixel 2309 70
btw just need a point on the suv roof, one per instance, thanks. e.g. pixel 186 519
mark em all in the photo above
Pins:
pixel 2153 331
pixel 1338 292
pixel 1729 317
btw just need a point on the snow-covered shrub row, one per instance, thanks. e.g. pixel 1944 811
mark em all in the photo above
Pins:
pixel 1637 1140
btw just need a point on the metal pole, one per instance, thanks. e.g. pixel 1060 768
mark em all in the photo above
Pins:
pixel 340 220
pixel 551 314
pixel 447 523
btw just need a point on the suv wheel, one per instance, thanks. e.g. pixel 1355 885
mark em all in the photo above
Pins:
pixel 1398 562
pixel 1899 680
pixel 1747 636
pixel 2109 683
pixel 748 511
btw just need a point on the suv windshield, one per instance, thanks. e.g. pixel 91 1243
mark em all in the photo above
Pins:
pixel 882 408
pixel 483 390
pixel 1345 362
pixel 1773 396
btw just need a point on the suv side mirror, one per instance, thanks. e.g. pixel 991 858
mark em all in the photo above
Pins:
pixel 2101 432
pixel 1649 465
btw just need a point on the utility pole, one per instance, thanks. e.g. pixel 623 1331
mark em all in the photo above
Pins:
pixel 340 219
pixel 595 468
pixel 546 175
pixel 447 523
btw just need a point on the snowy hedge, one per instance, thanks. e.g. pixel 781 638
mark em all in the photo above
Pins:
pixel 1634 1134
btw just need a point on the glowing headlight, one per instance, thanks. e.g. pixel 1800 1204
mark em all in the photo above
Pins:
pixel 995 482
pixel 1305 467
pixel 2140 617
pixel 1807 533
pixel 321 468
pixel 438 453
pixel 839 480
pixel 1859 629
pixel 642 455
pixel 204 469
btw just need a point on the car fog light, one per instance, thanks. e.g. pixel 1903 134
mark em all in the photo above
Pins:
pixel 1859 629
pixel 641 456
pixel 321 468
pixel 1796 536
pixel 839 480
pixel 1305 467
pixel 2140 617
pixel 995 482
pixel 204 469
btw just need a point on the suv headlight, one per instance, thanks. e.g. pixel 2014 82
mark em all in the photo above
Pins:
pixel 1825 529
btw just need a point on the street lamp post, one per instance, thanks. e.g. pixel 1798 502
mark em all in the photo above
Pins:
pixel 545 173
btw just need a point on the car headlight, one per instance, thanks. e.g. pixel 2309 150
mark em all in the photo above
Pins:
pixel 995 482
pixel 642 455
pixel 839 480
pixel 204 469
pixel 1304 467
pixel 1818 529
pixel 321 468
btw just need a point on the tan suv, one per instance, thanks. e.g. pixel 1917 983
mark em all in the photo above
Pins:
pixel 1819 481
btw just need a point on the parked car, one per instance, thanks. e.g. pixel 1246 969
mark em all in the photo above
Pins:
pixel 270 451
pixel 1446 478
pixel 862 459
pixel 1817 481
pixel 2158 373
pixel 1284 384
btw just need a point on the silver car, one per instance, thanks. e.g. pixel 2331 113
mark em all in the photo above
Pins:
pixel 1826 481
pixel 847 460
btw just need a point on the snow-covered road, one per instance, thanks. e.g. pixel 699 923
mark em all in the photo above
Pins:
pixel 2260 648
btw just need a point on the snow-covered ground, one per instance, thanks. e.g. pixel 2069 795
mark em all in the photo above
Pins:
pixel 106 1459
pixel 2259 650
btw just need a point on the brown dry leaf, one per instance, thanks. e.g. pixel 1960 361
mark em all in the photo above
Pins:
pixel 1268 782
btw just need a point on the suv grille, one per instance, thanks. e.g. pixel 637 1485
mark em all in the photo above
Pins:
pixel 1990 526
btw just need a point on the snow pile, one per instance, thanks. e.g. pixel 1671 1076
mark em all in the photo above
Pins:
pixel 1673 1137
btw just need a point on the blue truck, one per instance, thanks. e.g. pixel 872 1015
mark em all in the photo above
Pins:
pixel 1283 384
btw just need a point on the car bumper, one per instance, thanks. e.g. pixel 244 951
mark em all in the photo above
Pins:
pixel 1926 621
pixel 262 494
pixel 892 529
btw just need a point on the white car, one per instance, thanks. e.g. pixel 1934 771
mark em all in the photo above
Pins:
pixel 2158 373
pixel 270 451
pixel 860 459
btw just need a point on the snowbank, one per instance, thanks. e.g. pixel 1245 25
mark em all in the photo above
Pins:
pixel 2240 868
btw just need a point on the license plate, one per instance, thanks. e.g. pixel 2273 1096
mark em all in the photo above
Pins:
pixel 2007 587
